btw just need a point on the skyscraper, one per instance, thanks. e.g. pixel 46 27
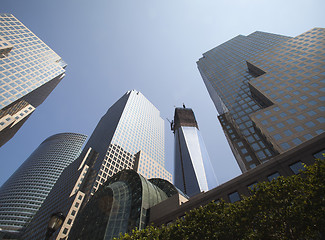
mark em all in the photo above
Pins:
pixel 29 71
pixel 24 192
pixel 269 92
pixel 193 171
pixel 129 136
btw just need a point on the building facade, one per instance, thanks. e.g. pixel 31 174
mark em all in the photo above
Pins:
pixel 24 192
pixel 29 71
pixel 120 205
pixel 289 163
pixel 193 172
pixel 269 92
pixel 129 136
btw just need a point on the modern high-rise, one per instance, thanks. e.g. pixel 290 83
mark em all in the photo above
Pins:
pixel 24 192
pixel 29 71
pixel 269 92
pixel 129 136
pixel 193 172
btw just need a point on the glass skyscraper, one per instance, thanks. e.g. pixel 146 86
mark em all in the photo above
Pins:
pixel 129 136
pixel 29 71
pixel 193 171
pixel 24 192
pixel 269 92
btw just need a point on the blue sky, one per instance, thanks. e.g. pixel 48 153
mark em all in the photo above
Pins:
pixel 116 45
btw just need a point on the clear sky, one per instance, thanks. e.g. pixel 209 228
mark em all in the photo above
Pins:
pixel 152 46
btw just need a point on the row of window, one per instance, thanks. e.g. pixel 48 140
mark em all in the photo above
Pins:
pixel 295 168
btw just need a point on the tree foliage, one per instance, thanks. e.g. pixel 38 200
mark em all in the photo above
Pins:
pixel 285 208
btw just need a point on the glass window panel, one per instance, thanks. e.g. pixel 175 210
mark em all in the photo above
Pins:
pixel 296 167
pixel 273 176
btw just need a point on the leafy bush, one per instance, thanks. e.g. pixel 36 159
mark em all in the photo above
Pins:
pixel 285 208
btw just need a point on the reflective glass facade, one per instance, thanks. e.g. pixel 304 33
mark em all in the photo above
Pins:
pixel 263 84
pixel 29 71
pixel 128 136
pixel 24 192
pixel 193 171
pixel 120 205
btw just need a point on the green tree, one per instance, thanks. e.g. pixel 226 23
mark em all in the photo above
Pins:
pixel 285 208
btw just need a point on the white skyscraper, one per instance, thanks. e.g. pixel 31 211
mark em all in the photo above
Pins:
pixel 193 169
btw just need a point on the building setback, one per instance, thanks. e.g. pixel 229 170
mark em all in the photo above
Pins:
pixel 269 92
pixel 193 172
pixel 129 136
pixel 24 192
pixel 29 71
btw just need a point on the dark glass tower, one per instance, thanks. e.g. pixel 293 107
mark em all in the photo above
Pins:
pixel 269 92
pixel 24 192
pixel 29 71
pixel 129 136
pixel 193 172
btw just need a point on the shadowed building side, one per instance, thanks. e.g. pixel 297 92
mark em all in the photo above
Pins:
pixel 269 92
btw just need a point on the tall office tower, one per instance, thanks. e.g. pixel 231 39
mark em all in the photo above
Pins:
pixel 193 171
pixel 24 192
pixel 29 71
pixel 269 92
pixel 129 136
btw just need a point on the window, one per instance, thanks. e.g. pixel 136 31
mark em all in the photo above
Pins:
pixel 296 141
pixel 302 106
pixel 277 136
pixel 308 136
pixel 270 129
pixel 261 155
pixel 256 146
pixel 290 121
pixel 234 197
pixel 287 132
pixel 320 154
pixel 73 213
pixel 311 113
pixel 321 120
pixel 248 158
pixel 252 166
pixel 310 124
pixel 273 176
pixel 285 146
pixel 296 167
pixel 299 128
pixel 280 125
pixel 251 186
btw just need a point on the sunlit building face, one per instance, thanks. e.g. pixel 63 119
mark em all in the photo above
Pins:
pixel 29 71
